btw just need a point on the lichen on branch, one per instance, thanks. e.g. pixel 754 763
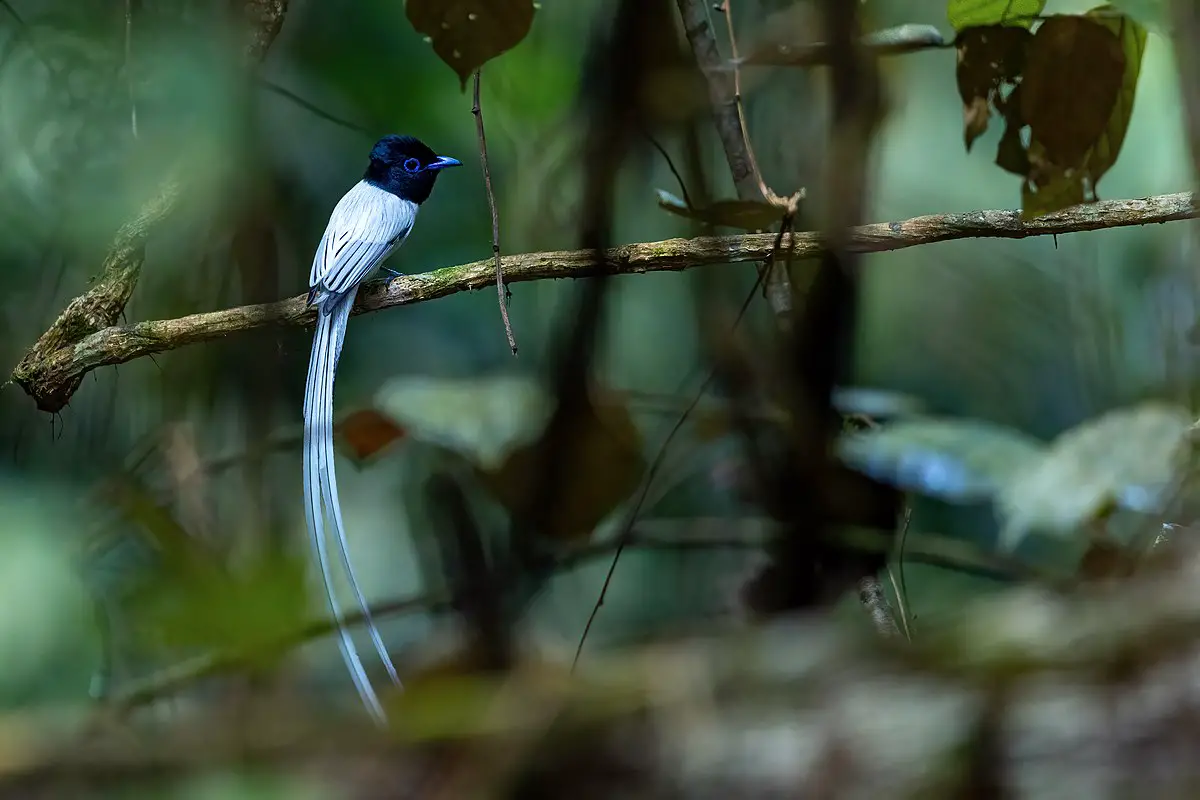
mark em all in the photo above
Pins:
pixel 52 370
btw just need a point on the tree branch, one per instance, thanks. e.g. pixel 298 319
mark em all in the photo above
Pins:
pixel 723 95
pixel 102 305
pixel 52 369
pixel 264 20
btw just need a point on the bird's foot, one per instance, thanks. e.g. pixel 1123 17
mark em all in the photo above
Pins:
pixel 392 272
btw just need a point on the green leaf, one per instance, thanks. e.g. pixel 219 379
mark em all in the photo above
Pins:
pixel 970 13
pixel 875 403
pixel 466 34
pixel 1130 458
pixel 1055 188
pixel 482 419
pixel 1132 36
pixel 749 215
pixel 247 612
pixel 950 459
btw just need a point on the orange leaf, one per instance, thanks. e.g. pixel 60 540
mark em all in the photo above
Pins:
pixel 367 432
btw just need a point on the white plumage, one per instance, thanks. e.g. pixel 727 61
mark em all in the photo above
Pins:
pixel 366 227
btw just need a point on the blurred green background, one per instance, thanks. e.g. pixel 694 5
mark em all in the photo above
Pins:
pixel 1039 334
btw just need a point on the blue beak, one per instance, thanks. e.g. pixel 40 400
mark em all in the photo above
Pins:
pixel 443 162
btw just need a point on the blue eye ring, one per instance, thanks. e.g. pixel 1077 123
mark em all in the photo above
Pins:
pixel 412 165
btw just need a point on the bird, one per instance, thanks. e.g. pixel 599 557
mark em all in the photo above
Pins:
pixel 366 227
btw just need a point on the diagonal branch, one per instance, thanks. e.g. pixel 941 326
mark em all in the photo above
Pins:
pixel 52 369
pixel 102 304
pixel 727 117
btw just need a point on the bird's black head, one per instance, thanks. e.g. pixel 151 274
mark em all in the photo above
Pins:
pixel 406 167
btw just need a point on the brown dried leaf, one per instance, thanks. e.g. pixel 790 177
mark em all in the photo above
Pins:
pixel 1073 76
pixel 466 34
pixel 749 215
pixel 1052 184
pixel 603 466
pixel 366 433
pixel 988 58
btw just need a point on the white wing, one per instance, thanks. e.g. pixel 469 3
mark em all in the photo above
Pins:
pixel 366 227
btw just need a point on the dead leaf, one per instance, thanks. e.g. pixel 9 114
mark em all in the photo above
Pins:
pixel 603 466
pixel 989 59
pixel 955 460
pixel 1105 560
pixel 466 34
pixel 367 433
pixel 481 418
pixel 748 215
pixel 1072 79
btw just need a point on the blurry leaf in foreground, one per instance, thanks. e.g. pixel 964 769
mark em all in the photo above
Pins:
pixel 245 611
pixel 602 465
pixel 970 13
pixel 875 403
pixel 750 215
pixel 466 34
pixel 40 592
pixel 365 433
pixel 1104 560
pixel 1132 458
pixel 954 460
pixel 178 552
pixel 451 697
pixel 479 418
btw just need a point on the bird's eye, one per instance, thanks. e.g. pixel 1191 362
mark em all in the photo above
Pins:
pixel 412 165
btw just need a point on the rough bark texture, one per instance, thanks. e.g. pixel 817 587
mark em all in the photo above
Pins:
pixel 83 340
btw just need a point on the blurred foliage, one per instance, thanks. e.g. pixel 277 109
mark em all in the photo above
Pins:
pixel 1009 388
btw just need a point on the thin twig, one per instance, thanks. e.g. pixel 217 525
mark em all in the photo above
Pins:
pixel 740 106
pixel 626 533
pixel 104 302
pixel 902 589
pixel 724 97
pixel 900 606
pixel 50 371
pixel 311 107
pixel 662 151
pixel 941 551
pixel 501 292
pixel 873 599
